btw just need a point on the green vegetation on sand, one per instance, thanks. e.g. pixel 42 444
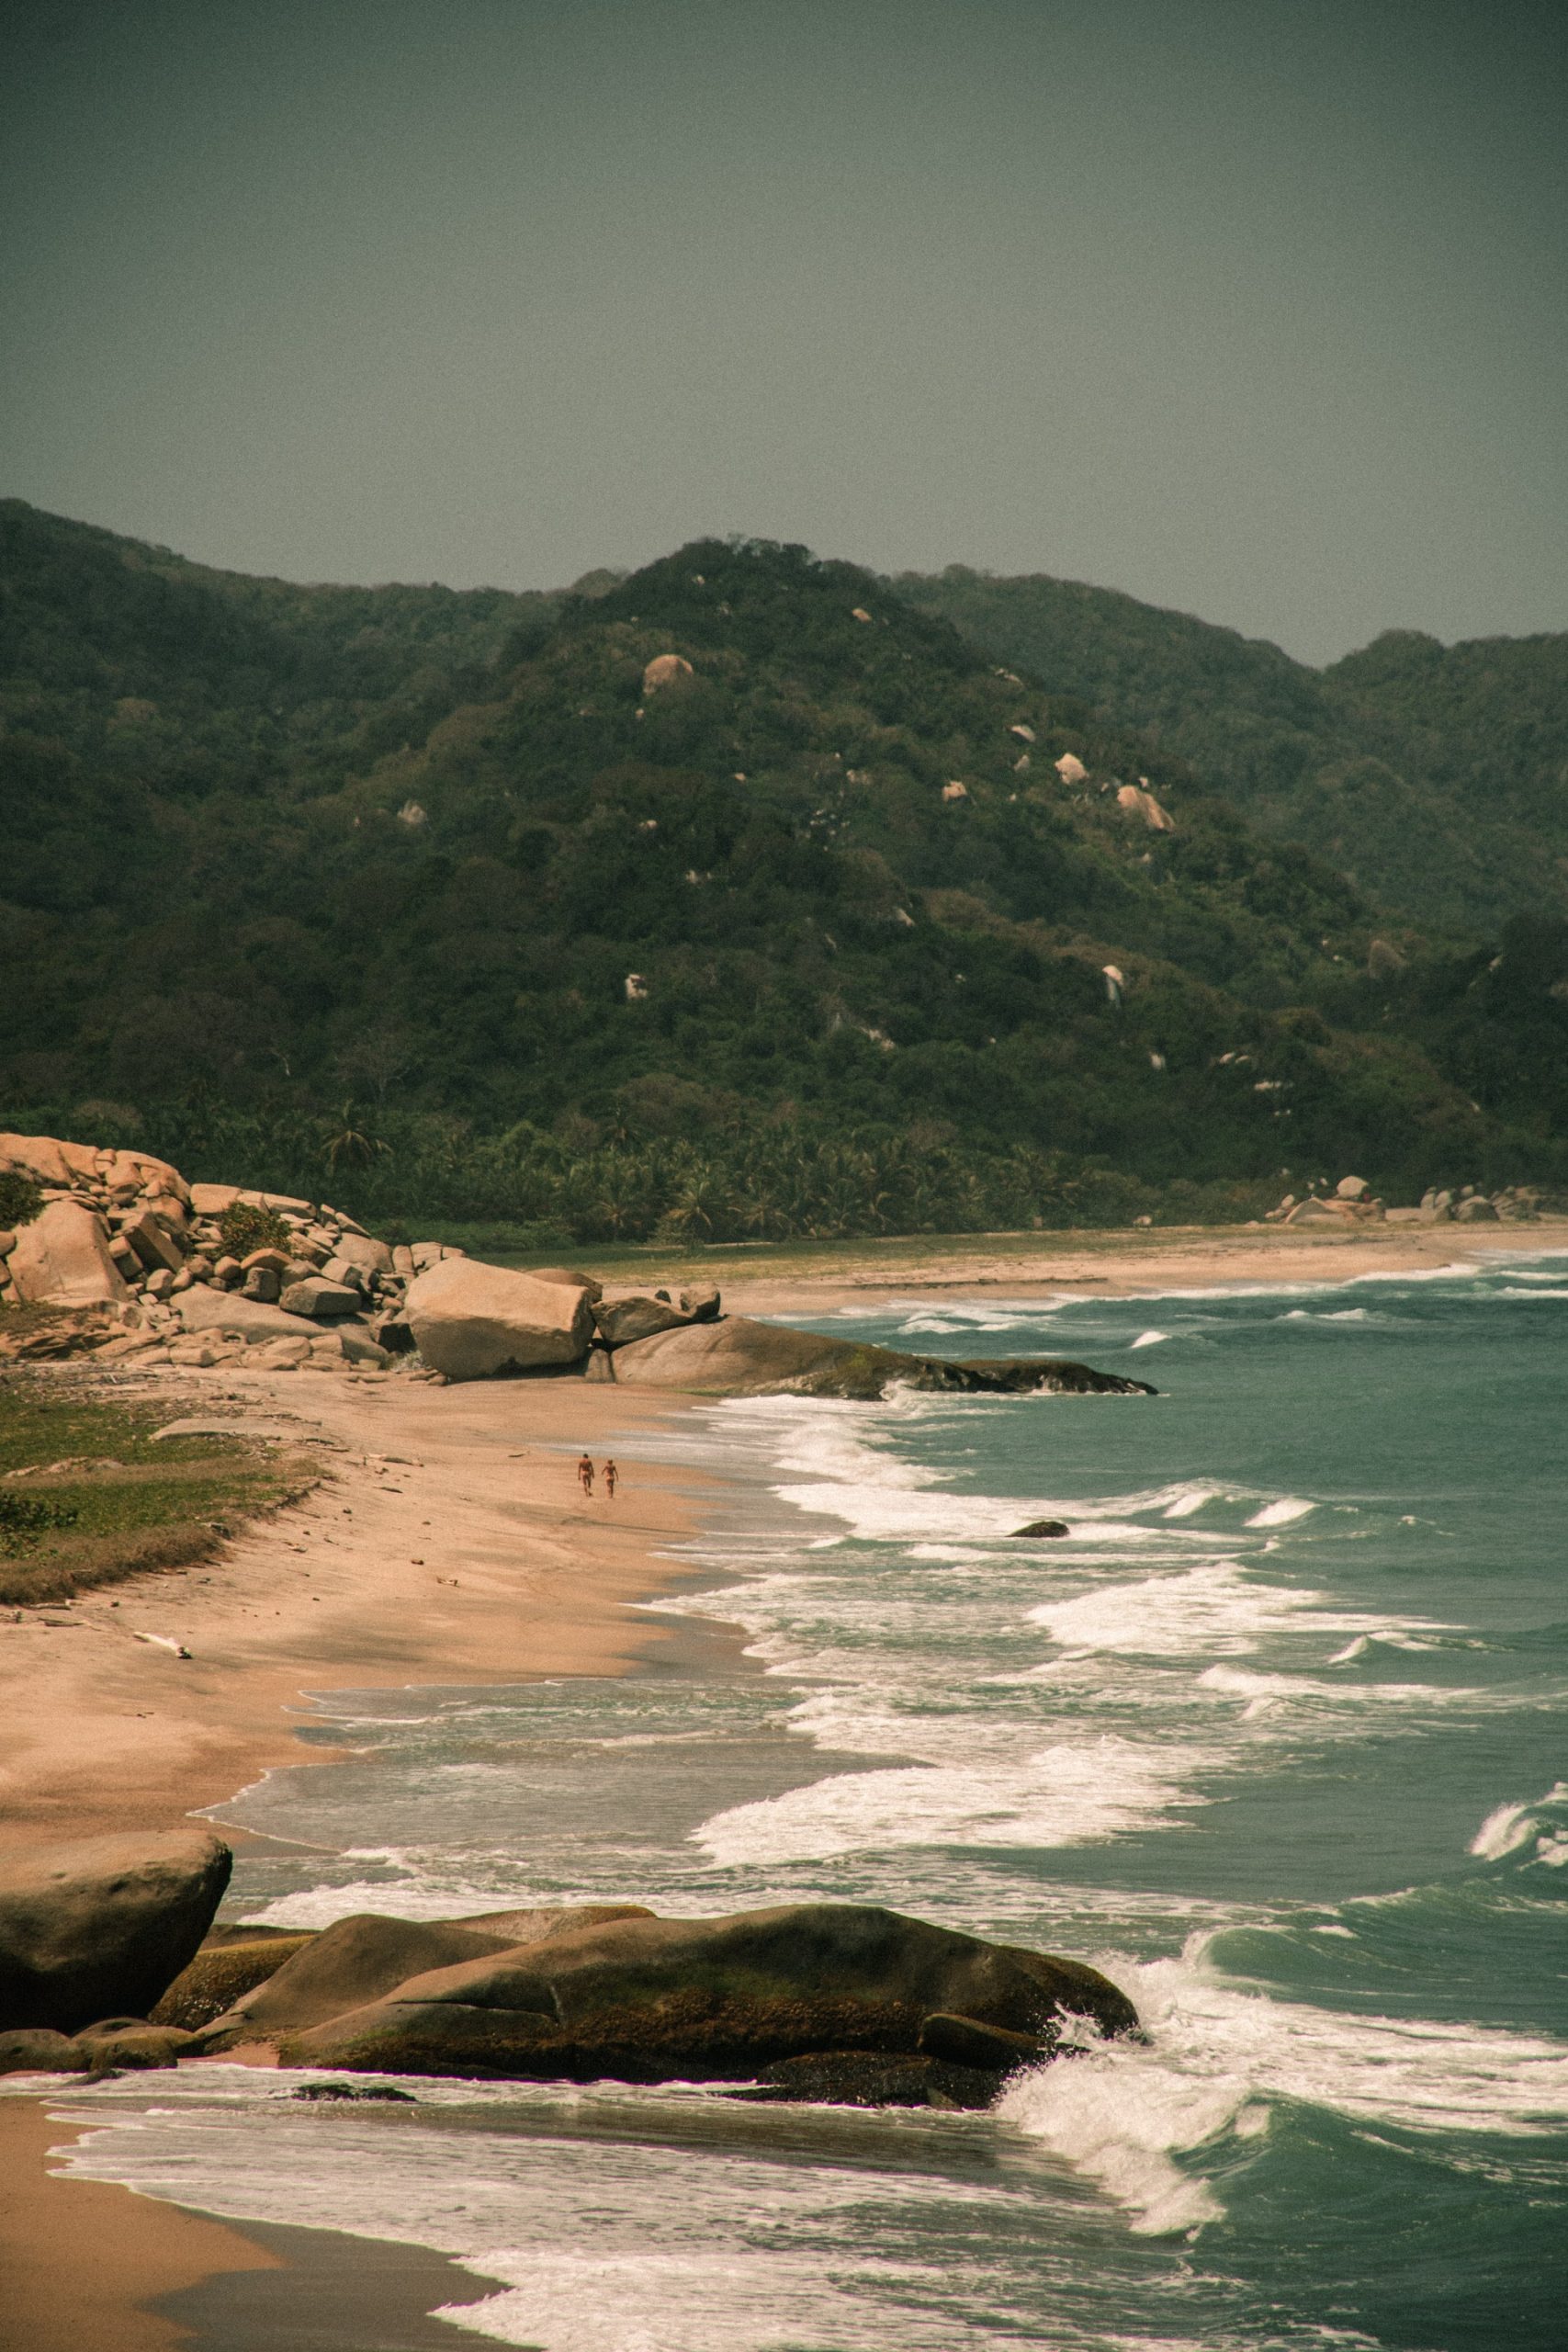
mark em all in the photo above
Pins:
pixel 89 1496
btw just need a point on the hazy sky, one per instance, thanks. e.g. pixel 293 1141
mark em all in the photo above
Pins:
pixel 1259 308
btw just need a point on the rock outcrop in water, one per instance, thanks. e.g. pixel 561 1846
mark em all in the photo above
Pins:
pixel 733 1356
pixel 811 2001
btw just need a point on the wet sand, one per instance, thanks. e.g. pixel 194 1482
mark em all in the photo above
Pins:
pixel 447 1542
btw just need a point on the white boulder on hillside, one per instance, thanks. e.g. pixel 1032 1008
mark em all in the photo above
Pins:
pixel 470 1320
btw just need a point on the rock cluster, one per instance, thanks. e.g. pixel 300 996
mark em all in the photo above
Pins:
pixel 107 1960
pixel 844 2002
pixel 1352 1203
pixel 127 1238
pixel 123 1234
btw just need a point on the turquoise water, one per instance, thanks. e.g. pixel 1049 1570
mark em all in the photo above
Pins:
pixel 1275 1736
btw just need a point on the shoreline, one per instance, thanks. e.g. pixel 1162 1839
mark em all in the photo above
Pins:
pixel 1123 1263
pixel 447 1541
pixel 349 1589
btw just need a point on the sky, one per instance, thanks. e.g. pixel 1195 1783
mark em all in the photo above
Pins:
pixel 1254 307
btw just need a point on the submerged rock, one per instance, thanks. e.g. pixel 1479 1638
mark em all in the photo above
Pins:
pixel 1044 1528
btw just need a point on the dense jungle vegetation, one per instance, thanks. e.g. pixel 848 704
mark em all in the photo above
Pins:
pixel 425 898
pixel 1436 777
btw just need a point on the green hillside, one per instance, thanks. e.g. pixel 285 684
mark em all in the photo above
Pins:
pixel 1437 779
pixel 442 894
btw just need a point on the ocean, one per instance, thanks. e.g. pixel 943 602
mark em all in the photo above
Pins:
pixel 1275 1737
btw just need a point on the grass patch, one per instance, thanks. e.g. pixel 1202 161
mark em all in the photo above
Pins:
pixel 88 1498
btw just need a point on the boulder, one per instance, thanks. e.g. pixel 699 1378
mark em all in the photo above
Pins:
pixel 622 1314
pixel 589 1282
pixel 1351 1188
pixel 734 1356
pixel 1134 802
pixel 358 1249
pixel 1044 1528
pixel 221 1974
pixel 320 1300
pixel 211 1200
pixel 157 1183
pixel 1070 768
pixel 37 2050
pixel 664 669
pixel 359 1348
pixel 1319 1212
pixel 1475 1211
pixel 359 1959
pixel 62 1258
pixel 101 1927
pixel 152 1242
pixel 261 1282
pixel 356 1960
pixel 652 2000
pixel 345 1273
pixel 132 2041
pixel 204 1308
pixel 965 2042
pixel 470 1320
pixel 48 1161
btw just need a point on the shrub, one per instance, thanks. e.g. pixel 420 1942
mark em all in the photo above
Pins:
pixel 25 1518
pixel 20 1199
pixel 243 1227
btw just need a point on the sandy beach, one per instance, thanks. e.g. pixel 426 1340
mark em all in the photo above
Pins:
pixel 1117 1264
pixel 446 1541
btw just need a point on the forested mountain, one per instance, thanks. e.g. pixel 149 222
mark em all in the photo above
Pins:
pixel 821 922
pixel 1436 778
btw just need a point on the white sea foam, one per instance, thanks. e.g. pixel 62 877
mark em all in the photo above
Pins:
pixel 1150 1339
pixel 1218 2056
pixel 1213 1608
pixel 1510 1826
pixel 599 2246
pixel 1264 1694
pixel 1282 1514
pixel 1071 1793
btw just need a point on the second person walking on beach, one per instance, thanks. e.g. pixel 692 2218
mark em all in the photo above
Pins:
pixel 585 1475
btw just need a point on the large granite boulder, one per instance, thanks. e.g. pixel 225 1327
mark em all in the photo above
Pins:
pixel 229 1964
pixel 360 1958
pixel 62 1258
pixel 622 1314
pixel 737 1357
pixel 652 2000
pixel 206 1308
pixel 99 1929
pixel 470 1320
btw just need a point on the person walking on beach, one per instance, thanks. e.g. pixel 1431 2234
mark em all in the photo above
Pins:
pixel 611 1476
pixel 585 1475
